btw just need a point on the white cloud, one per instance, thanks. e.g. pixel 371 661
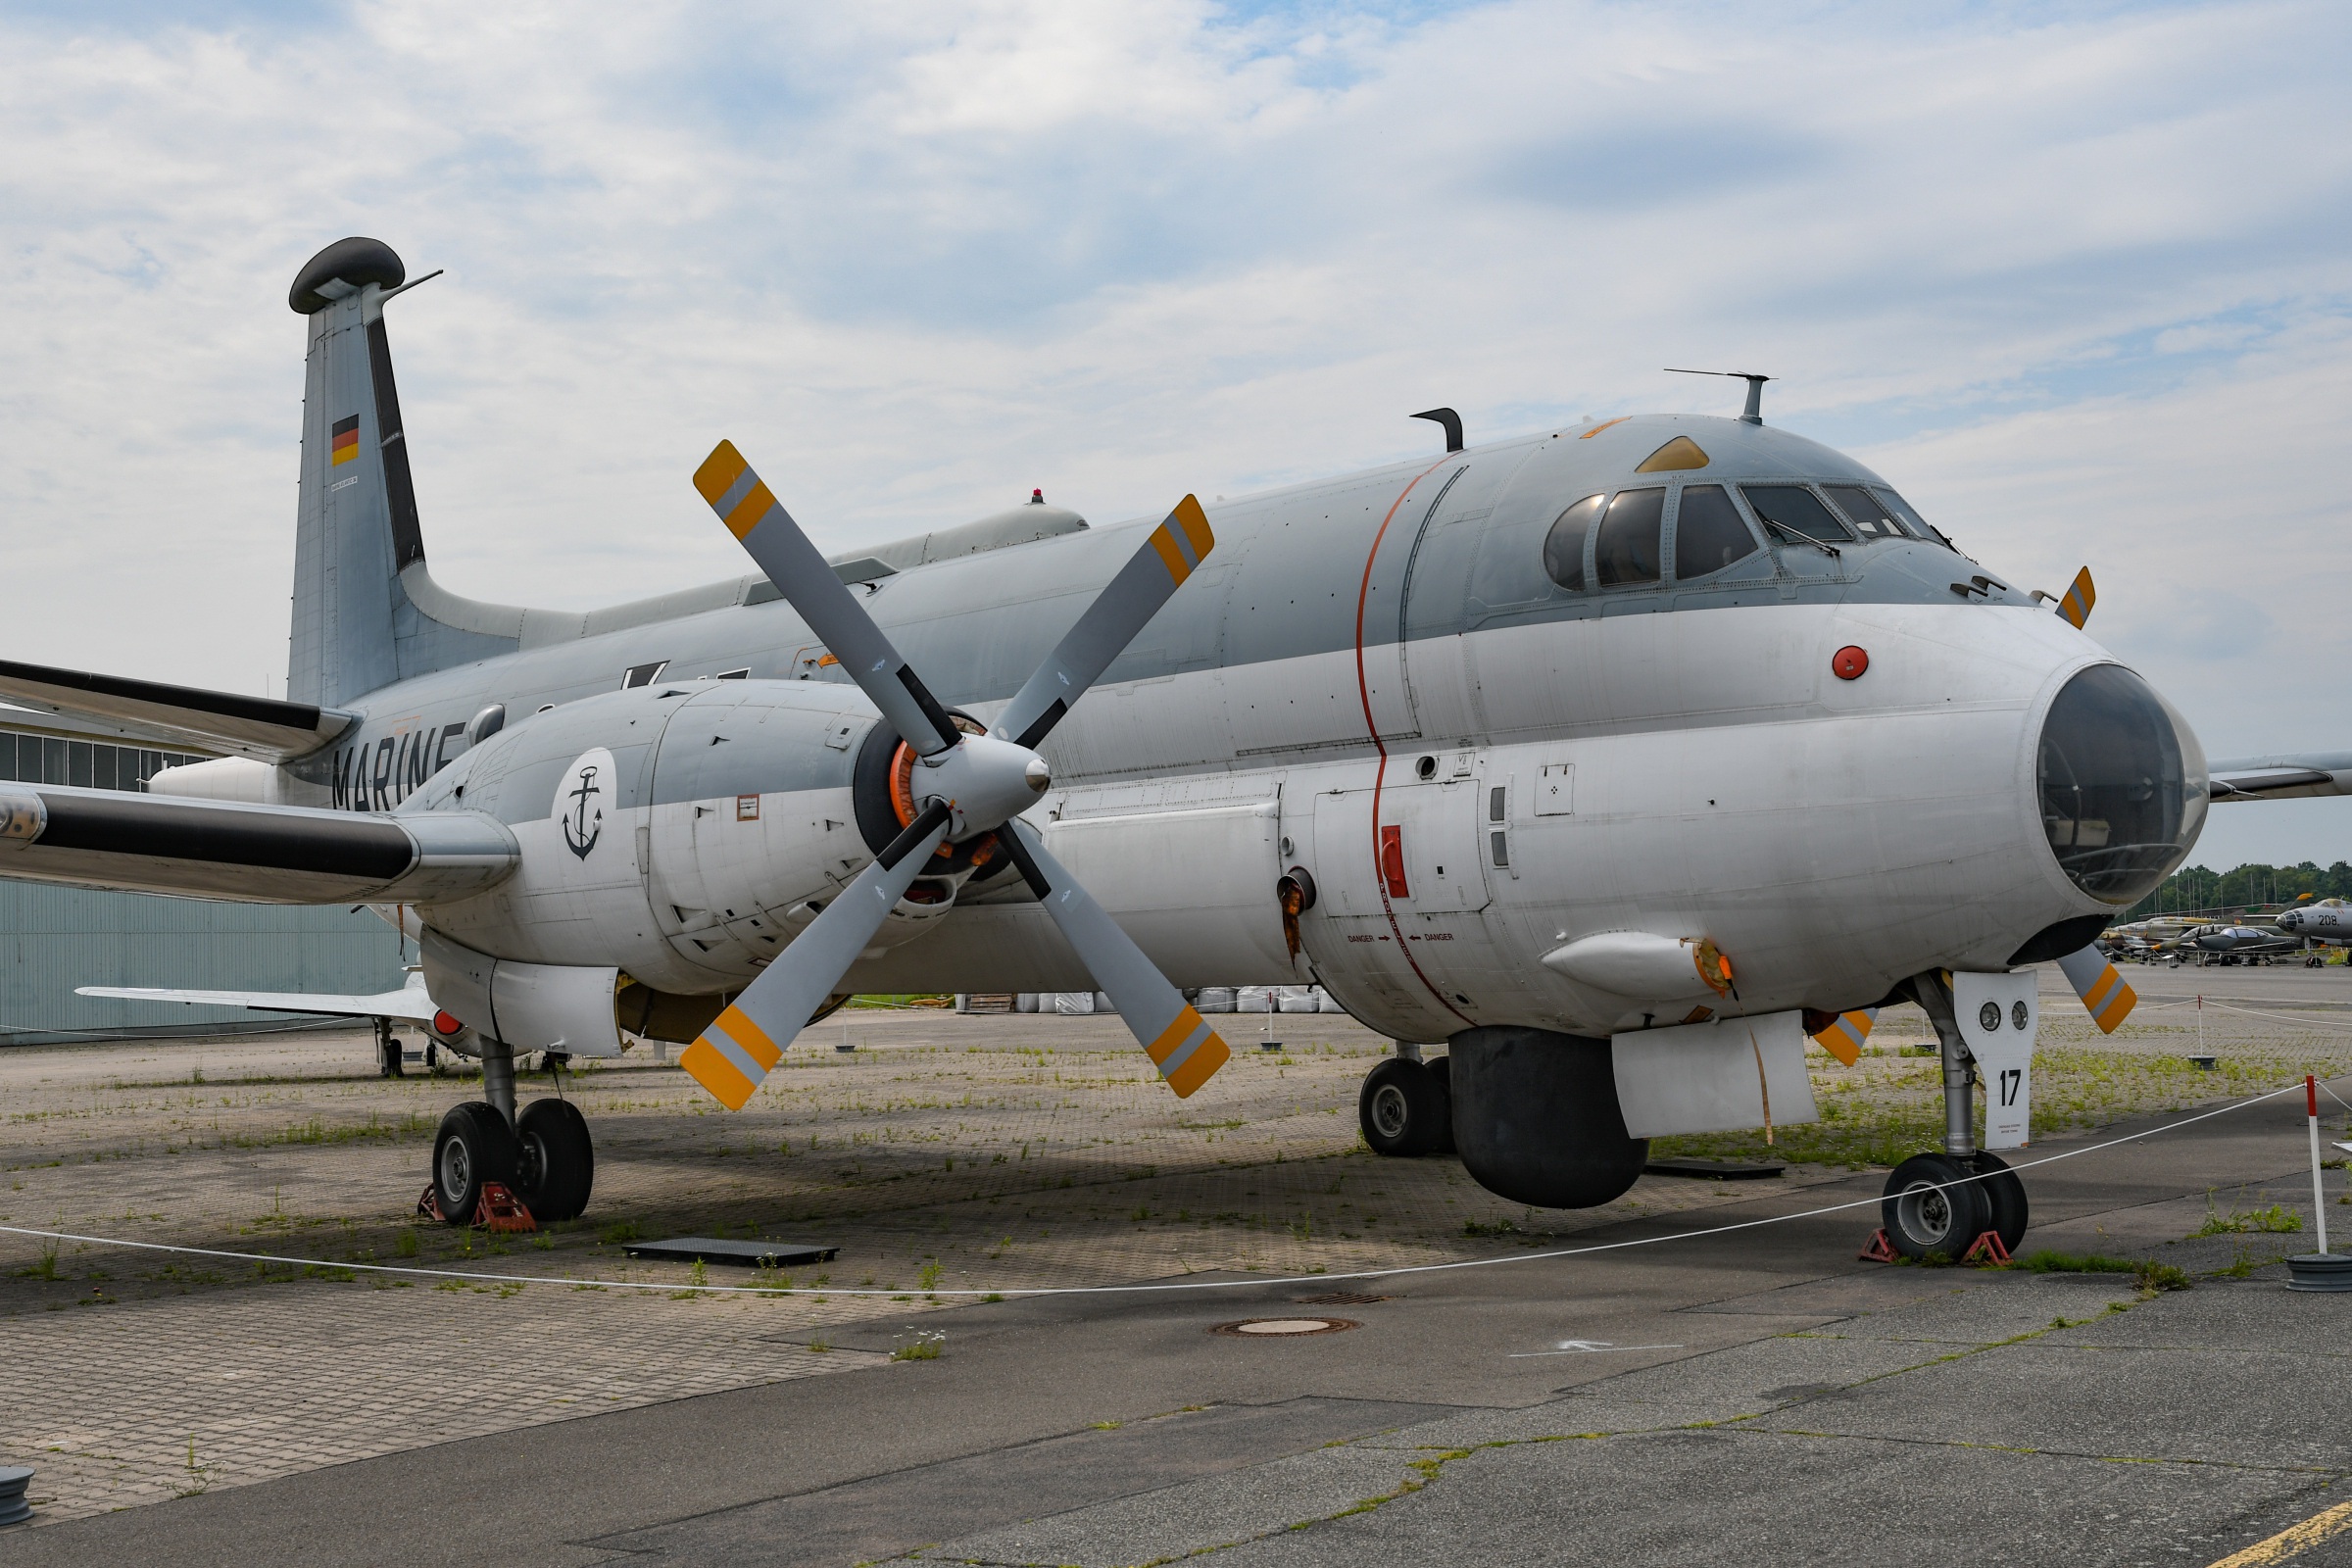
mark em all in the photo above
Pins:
pixel 2078 282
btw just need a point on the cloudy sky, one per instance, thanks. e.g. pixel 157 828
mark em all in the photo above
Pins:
pixel 2075 278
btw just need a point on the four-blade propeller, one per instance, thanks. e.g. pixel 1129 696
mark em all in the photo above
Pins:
pixel 963 786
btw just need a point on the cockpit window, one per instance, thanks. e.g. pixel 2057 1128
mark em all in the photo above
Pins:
pixel 1797 508
pixel 1872 518
pixel 1920 526
pixel 1564 546
pixel 1628 549
pixel 1709 533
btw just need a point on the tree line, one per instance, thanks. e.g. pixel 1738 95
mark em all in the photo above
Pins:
pixel 2195 889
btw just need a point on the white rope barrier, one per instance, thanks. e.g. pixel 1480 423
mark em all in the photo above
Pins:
pixel 1160 1287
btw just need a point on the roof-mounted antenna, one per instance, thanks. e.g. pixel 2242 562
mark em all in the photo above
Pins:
pixel 1452 422
pixel 1753 414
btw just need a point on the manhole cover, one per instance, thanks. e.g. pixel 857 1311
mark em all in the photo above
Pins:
pixel 1281 1327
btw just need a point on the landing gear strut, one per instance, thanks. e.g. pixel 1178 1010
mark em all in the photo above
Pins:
pixel 543 1155
pixel 1939 1203
pixel 387 1050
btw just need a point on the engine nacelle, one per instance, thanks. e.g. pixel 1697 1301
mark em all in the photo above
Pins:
pixel 683 833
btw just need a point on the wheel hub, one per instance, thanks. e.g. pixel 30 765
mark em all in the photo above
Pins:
pixel 1389 1111
pixel 1927 1211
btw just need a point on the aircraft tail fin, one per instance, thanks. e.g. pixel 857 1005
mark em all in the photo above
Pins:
pixel 365 612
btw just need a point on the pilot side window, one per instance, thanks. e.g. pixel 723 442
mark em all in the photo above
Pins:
pixel 1919 526
pixel 1872 518
pixel 1564 546
pixel 1627 551
pixel 1797 509
pixel 1709 534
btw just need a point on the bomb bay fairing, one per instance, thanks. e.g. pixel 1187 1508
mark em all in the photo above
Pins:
pixel 1619 758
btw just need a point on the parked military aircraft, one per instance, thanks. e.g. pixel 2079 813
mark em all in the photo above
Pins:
pixel 1620 756
pixel 2328 921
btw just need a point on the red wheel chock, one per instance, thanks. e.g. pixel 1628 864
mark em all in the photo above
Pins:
pixel 498 1210
pixel 1987 1250
pixel 501 1210
pixel 1880 1250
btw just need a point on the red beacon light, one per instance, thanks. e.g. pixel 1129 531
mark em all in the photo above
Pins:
pixel 1848 663
pixel 447 1023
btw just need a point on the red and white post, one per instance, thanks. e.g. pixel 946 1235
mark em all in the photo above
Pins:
pixel 2319 1191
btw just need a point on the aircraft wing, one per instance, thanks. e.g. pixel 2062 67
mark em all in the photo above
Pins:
pixel 259 727
pixel 250 853
pixel 2281 777
pixel 410 1003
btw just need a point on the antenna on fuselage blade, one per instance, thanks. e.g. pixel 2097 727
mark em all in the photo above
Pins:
pixel 1753 414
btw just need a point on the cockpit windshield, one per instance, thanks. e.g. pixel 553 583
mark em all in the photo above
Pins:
pixel 1871 517
pixel 1794 508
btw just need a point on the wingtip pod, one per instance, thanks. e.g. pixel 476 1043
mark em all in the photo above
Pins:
pixel 2104 993
pixel 1843 1037
pixel 2075 606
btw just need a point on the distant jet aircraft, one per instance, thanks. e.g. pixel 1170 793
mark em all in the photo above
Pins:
pixel 1622 756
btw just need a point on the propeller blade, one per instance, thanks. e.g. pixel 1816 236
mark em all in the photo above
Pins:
pixel 1843 1037
pixel 2075 606
pixel 2101 988
pixel 1169 554
pixel 775 542
pixel 744 1043
pixel 1180 1043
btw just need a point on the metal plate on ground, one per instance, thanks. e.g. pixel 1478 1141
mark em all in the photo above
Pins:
pixel 723 1249
pixel 1716 1170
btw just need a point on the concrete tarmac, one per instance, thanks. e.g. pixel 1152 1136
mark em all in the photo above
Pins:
pixel 1759 1396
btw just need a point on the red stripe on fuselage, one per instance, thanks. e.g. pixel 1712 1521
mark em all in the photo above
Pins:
pixel 1380 777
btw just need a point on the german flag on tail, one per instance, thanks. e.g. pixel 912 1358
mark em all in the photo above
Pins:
pixel 344 444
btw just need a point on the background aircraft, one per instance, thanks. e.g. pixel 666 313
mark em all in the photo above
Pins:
pixel 1620 758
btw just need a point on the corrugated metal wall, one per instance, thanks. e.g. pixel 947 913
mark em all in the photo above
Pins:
pixel 53 939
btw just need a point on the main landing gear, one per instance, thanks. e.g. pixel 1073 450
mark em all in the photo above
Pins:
pixel 1407 1105
pixel 1940 1204
pixel 542 1156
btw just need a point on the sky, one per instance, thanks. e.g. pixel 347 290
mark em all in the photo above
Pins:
pixel 2075 278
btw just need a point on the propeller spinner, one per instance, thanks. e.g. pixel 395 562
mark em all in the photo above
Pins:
pixel 965 786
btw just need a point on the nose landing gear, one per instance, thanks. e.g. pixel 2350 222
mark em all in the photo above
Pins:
pixel 1939 1203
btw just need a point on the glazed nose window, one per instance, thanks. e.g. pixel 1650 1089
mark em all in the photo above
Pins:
pixel 1628 548
pixel 2115 786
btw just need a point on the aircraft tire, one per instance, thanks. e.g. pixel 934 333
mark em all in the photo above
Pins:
pixel 1536 1117
pixel 474 1146
pixel 1400 1108
pixel 2006 1196
pixel 558 1164
pixel 1924 1218
pixel 1440 1073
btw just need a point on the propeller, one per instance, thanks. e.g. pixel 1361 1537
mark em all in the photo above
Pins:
pixel 2075 604
pixel 966 785
pixel 2104 993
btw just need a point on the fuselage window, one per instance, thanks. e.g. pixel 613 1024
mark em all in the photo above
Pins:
pixel 1628 549
pixel 1564 546
pixel 1919 526
pixel 1870 518
pixel 1797 508
pixel 1709 534
pixel 637 675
